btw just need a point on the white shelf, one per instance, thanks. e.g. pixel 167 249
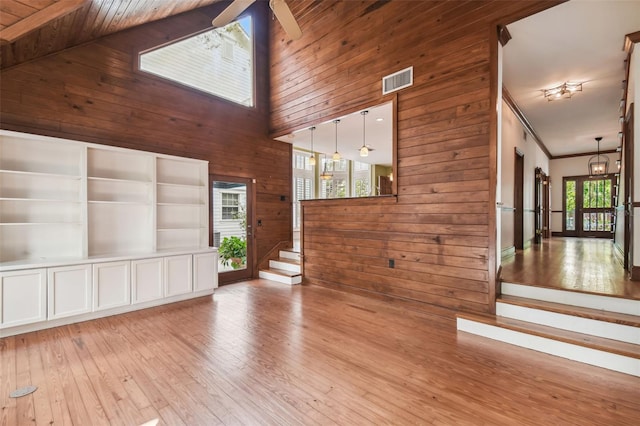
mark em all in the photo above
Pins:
pixel 47 200
pixel 182 185
pixel 38 223
pixel 108 179
pixel 133 203
pixel 182 204
pixel 40 174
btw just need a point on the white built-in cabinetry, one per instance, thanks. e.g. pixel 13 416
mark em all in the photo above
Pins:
pixel 88 230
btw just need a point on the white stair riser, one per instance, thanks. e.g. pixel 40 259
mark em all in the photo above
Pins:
pixel 289 255
pixel 284 265
pixel 608 330
pixel 573 298
pixel 280 278
pixel 578 353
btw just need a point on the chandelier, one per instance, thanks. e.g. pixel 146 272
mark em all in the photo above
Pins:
pixel 599 163
pixel 565 90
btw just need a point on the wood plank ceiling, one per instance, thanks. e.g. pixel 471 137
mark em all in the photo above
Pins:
pixel 33 28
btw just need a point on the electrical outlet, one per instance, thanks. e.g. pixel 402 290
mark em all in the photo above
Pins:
pixel 392 263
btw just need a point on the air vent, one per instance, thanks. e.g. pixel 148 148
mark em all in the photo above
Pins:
pixel 397 80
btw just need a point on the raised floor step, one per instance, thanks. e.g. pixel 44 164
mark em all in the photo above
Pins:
pixel 289 254
pixel 602 352
pixel 285 264
pixel 573 298
pixel 610 325
pixel 281 275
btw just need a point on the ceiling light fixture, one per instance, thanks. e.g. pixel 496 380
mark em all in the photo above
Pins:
pixel 312 158
pixel 364 150
pixel 336 155
pixel 598 164
pixel 325 175
pixel 565 90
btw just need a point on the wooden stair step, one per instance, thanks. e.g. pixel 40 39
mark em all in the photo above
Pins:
pixel 282 272
pixel 598 343
pixel 290 261
pixel 578 311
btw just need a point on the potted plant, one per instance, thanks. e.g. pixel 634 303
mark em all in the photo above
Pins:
pixel 233 250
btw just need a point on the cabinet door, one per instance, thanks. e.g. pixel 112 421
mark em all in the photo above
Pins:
pixel 177 275
pixel 22 297
pixel 205 271
pixel 146 280
pixel 111 285
pixel 69 290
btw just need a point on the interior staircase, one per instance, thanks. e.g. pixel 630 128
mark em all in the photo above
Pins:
pixel 285 269
pixel 599 330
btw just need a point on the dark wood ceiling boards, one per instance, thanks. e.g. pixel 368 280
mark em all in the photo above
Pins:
pixel 91 20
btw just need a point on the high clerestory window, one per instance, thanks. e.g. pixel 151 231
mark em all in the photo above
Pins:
pixel 218 61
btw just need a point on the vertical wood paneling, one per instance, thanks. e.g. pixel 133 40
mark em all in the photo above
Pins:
pixel 92 93
pixel 439 231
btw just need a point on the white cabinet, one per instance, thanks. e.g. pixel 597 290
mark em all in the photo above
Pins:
pixel 147 280
pixel 68 291
pixel 111 285
pixel 205 271
pixel 177 275
pixel 22 297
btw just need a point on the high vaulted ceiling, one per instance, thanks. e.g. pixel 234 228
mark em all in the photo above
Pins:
pixel 33 28
pixel 578 41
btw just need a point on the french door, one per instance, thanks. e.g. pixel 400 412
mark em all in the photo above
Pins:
pixel 588 206
pixel 231 227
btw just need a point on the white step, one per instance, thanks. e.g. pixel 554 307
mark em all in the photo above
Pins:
pixel 574 298
pixel 545 343
pixel 563 321
pixel 281 276
pixel 287 254
pixel 285 264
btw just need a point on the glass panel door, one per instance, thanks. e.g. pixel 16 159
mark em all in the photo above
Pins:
pixel 588 206
pixel 231 227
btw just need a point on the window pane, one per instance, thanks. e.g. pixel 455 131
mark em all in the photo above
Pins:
pixel 570 205
pixel 218 61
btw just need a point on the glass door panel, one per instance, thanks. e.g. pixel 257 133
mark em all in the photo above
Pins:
pixel 231 227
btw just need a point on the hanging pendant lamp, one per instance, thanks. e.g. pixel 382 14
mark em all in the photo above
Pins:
pixel 336 155
pixel 325 175
pixel 364 150
pixel 312 158
pixel 599 163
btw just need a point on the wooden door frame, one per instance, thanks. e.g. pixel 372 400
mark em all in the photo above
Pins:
pixel 628 188
pixel 578 232
pixel 518 200
pixel 251 270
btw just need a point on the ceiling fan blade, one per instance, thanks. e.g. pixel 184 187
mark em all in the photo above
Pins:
pixel 284 15
pixel 231 12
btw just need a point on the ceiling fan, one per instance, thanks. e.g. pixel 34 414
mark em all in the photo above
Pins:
pixel 280 10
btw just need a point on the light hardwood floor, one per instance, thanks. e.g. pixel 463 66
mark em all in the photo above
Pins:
pixel 260 353
pixel 580 264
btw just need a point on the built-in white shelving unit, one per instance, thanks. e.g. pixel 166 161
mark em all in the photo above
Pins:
pixel 41 199
pixel 66 206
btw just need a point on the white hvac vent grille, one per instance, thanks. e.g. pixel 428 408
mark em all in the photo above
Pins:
pixel 397 80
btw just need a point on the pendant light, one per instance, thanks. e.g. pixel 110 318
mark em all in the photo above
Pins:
pixel 312 158
pixel 336 155
pixel 325 175
pixel 364 150
pixel 598 164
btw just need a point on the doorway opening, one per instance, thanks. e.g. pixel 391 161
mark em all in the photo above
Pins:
pixel 231 227
pixel 588 203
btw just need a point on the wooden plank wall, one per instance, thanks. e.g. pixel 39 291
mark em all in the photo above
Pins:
pixel 92 93
pixel 440 232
